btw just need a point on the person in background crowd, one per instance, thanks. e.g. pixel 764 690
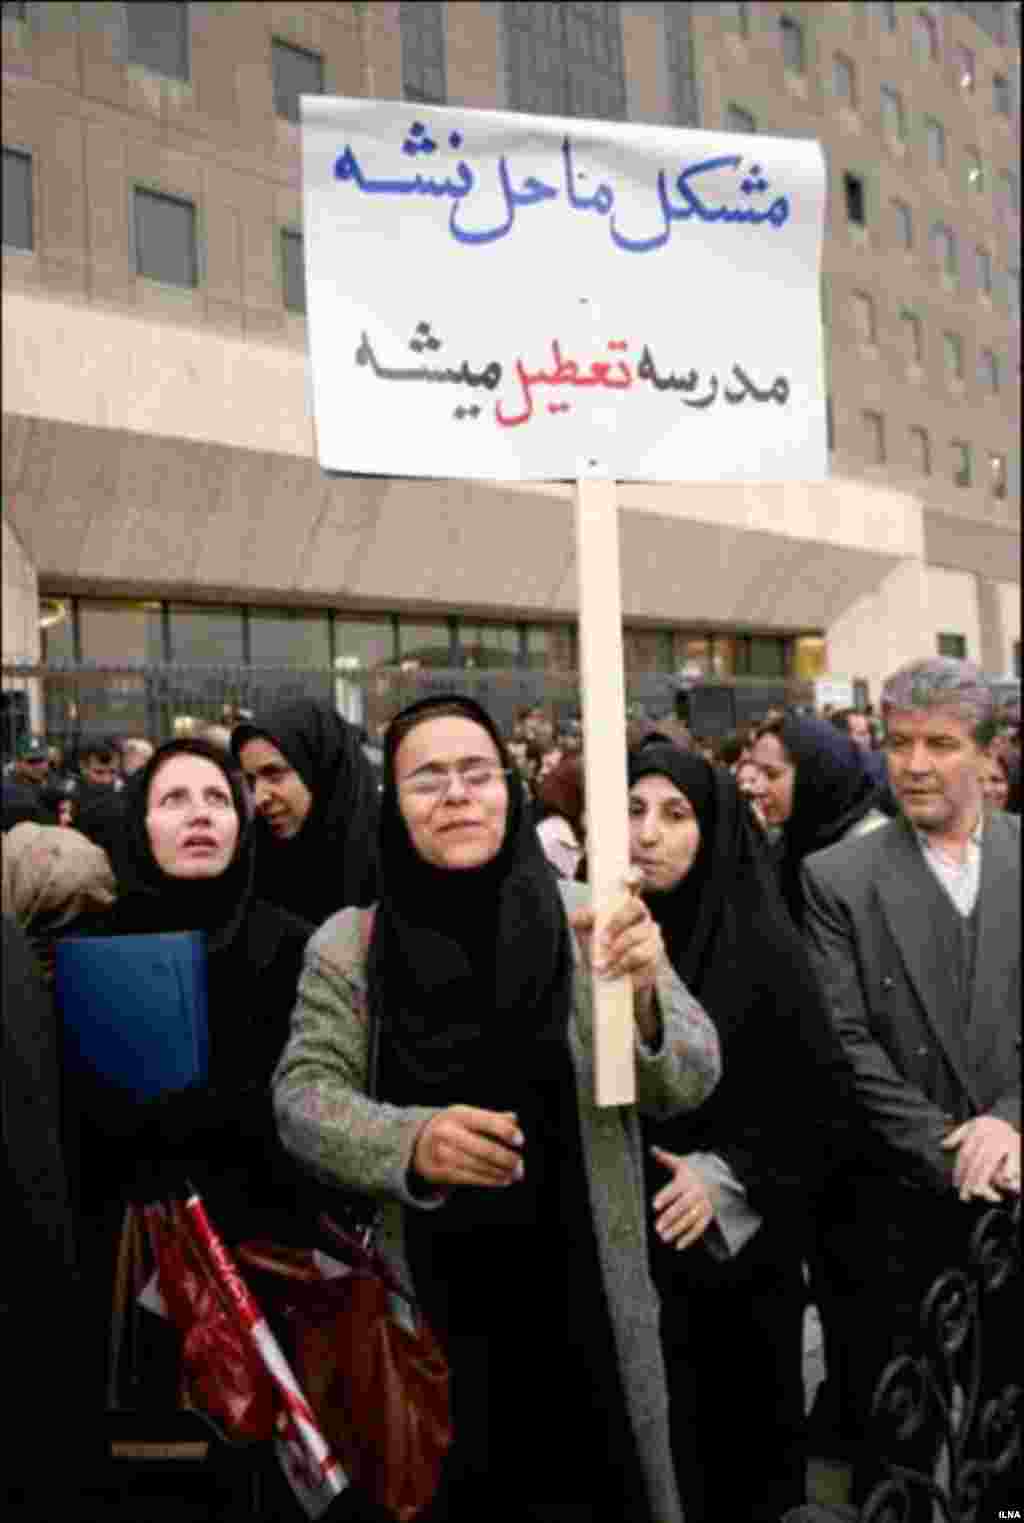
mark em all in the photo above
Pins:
pixel 727 1252
pixel 570 739
pixel 704 746
pixel 217 734
pixel 559 815
pixel 41 1309
pixel 23 795
pixel 315 797
pixel 814 787
pixel 750 784
pixel 50 877
pixel 994 776
pixel 519 1202
pixel 915 934
pixel 135 751
pixel 856 724
pixel 98 776
pixel 1013 773
pixel 189 867
pixel 815 792
pixel 729 750
pixel 537 726
pixel 517 755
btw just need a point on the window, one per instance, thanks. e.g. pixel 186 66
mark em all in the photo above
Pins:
pixel 735 18
pixel 792 34
pixel 165 239
pixel 853 194
pixel 888 14
pixel 121 633
pixel 864 317
pixel 157 37
pixel 952 645
pixel 425 644
pixel 913 345
pixel 488 645
pixel 738 120
pixel 944 248
pixel 682 65
pixel 844 80
pixel 17 205
pixel 1002 95
pixel 894 122
pixel 565 60
pixel 293 271
pixel 925 37
pixel 921 449
pixel 14 12
pixel 963 68
pixel 423 51
pixel 295 72
pixel 974 172
pixel 830 423
pixel 935 137
pixel 983 270
pixel 953 351
pixel 289 637
pixel 363 643
pixel 874 436
pixel 903 219
pixel 997 476
pixel 988 370
pixel 1008 195
pixel 961 453
pixel 206 636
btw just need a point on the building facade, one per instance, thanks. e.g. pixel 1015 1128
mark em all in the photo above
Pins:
pixel 162 500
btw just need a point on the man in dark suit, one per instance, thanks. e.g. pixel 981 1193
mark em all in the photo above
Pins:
pixel 915 932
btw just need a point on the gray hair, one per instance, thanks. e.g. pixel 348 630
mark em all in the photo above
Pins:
pixel 944 682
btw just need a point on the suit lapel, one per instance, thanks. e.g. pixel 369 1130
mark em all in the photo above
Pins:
pixel 998 931
pixel 905 889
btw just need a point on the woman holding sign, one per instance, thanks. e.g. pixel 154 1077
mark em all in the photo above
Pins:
pixel 728 1183
pixel 517 1201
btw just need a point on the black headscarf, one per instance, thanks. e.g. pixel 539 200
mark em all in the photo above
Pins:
pixel 730 940
pixel 832 792
pixel 330 863
pixel 470 968
pixel 149 898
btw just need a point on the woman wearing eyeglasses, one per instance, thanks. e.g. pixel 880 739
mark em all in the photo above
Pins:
pixel 518 1204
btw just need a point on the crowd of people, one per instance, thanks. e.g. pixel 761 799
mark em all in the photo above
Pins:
pixel 822 938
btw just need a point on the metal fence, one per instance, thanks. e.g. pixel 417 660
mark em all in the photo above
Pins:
pixel 66 703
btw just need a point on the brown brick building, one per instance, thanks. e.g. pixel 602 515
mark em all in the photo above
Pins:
pixel 162 501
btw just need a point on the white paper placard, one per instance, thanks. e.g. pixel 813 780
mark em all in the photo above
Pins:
pixel 486 289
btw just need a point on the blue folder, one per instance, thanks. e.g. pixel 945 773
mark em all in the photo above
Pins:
pixel 134 1009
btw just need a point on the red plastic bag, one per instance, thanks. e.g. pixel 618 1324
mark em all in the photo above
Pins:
pixel 371 1369
pixel 224 1375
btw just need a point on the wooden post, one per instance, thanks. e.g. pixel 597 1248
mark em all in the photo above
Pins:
pixel 604 750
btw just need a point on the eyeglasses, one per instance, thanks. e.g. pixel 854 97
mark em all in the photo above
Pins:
pixel 437 785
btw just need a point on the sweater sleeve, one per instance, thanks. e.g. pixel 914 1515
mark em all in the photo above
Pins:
pixel 324 1116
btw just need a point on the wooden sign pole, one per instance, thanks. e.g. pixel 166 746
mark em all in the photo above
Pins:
pixel 604 752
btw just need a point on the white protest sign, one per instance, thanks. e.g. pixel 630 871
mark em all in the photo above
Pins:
pixel 499 296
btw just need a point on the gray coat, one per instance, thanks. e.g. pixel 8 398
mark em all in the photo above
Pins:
pixel 327 1121
pixel 919 1070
